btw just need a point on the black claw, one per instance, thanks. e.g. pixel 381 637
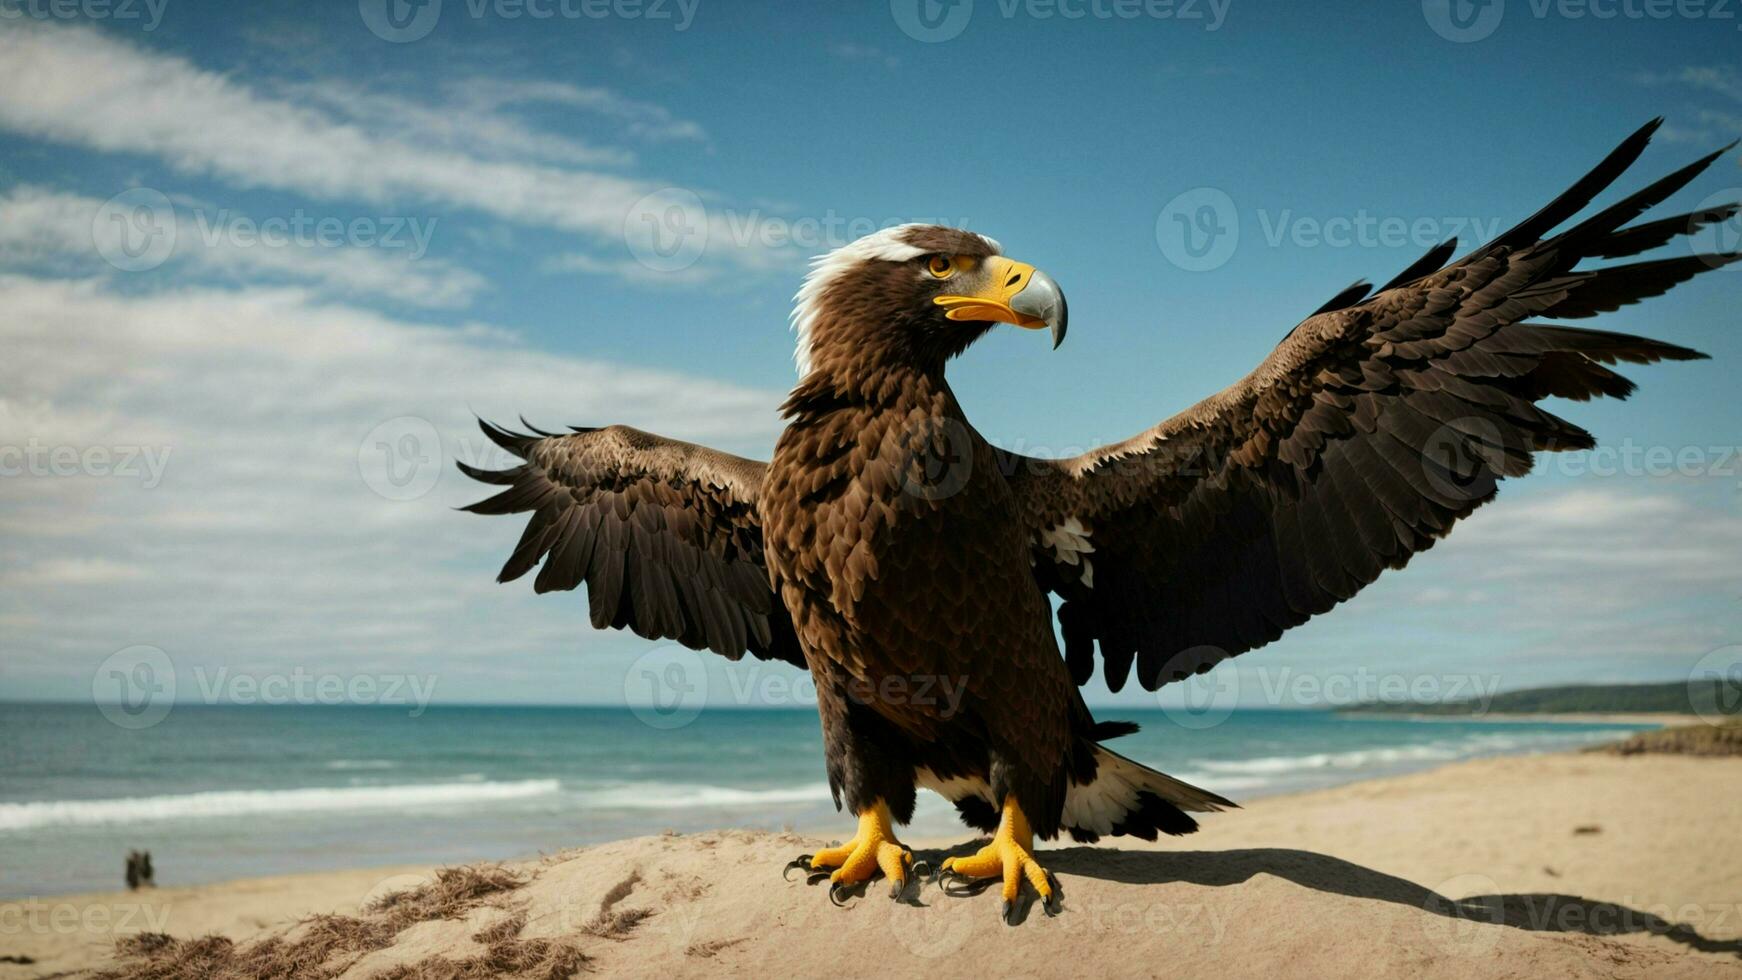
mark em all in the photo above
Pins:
pixel 1008 913
pixel 958 885
pixel 1056 901
pixel 822 874
pixel 802 862
pixel 896 889
pixel 839 893
pixel 928 874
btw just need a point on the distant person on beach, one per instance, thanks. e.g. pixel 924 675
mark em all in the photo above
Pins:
pixel 139 871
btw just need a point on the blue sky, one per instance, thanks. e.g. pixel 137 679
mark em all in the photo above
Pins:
pixel 465 203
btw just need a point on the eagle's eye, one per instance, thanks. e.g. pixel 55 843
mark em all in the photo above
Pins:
pixel 940 266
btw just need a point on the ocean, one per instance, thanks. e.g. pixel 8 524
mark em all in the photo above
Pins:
pixel 227 792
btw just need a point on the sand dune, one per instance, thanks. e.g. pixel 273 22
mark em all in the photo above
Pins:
pixel 1568 865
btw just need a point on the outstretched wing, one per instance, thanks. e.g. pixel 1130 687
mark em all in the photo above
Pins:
pixel 664 533
pixel 1376 424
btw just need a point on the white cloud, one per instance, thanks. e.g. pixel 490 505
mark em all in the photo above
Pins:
pixel 41 226
pixel 642 120
pixel 1719 79
pixel 91 90
pixel 467 126
pixel 1700 124
pixel 270 536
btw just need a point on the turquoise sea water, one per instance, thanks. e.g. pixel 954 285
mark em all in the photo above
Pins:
pixel 227 792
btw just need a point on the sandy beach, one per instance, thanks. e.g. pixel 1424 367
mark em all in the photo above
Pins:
pixel 1555 865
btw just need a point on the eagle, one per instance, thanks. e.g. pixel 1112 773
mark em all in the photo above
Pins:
pixel 911 566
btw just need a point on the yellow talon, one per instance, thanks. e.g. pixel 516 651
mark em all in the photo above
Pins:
pixel 1010 855
pixel 873 849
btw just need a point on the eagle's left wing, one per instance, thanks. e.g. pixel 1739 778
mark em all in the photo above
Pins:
pixel 1371 429
pixel 665 534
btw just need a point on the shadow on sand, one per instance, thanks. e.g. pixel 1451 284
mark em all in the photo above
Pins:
pixel 1540 912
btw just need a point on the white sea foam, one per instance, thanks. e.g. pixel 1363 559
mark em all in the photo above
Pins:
pixel 233 803
pixel 676 796
pixel 345 765
pixel 1480 744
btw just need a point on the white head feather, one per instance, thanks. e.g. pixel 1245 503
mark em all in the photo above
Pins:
pixel 887 245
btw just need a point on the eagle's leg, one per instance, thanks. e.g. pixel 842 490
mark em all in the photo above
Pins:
pixel 872 849
pixel 1010 855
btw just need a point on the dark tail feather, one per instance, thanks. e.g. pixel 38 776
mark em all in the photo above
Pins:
pixel 1130 799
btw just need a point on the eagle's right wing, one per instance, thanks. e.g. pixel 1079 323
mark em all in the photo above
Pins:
pixel 664 533
pixel 1375 426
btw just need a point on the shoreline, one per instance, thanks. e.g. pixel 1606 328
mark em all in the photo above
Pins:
pixel 1271 887
pixel 1551 718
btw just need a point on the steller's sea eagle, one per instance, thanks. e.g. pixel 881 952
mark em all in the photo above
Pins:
pixel 890 549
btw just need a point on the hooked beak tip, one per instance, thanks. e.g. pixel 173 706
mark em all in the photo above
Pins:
pixel 1043 300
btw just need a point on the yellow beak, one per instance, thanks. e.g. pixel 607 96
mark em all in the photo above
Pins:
pixel 1011 292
